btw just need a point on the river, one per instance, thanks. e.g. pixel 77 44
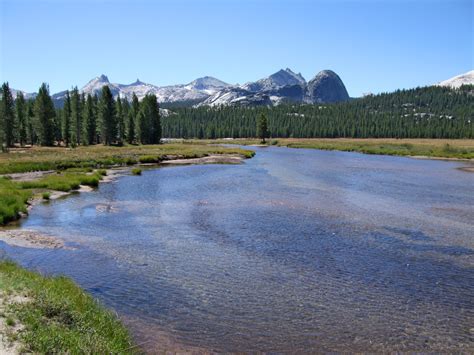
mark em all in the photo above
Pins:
pixel 293 250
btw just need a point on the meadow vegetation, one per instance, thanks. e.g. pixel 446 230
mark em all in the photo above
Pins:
pixel 13 200
pixel 20 160
pixel 58 317
pixel 432 148
pixel 85 165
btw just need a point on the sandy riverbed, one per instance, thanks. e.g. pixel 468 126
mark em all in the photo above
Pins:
pixel 211 159
pixel 30 239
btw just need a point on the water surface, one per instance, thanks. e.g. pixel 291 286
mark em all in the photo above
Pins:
pixel 293 250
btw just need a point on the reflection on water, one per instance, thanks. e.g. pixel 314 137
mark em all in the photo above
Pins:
pixel 294 250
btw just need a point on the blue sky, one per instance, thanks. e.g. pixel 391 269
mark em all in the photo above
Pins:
pixel 374 46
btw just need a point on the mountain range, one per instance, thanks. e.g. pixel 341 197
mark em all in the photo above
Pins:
pixel 282 86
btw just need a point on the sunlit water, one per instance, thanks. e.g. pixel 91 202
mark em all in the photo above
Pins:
pixel 293 250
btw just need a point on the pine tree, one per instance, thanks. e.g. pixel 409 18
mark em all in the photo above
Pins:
pixel 149 121
pixel 7 113
pixel 95 105
pixel 30 118
pixel 84 138
pixel 66 124
pixel 76 116
pixel 262 127
pixel 57 126
pixel 132 119
pixel 125 113
pixel 90 121
pixel 45 114
pixel 21 118
pixel 107 117
pixel 120 121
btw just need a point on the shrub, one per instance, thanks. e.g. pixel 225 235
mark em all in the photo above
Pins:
pixel 136 171
pixel 79 170
pixel 46 195
pixel 149 159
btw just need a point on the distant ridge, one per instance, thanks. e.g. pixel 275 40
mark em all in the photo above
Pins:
pixel 281 86
pixel 459 80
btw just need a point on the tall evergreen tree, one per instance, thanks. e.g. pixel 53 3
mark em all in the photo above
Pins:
pixel 57 125
pixel 95 105
pixel 262 127
pixel 30 114
pixel 21 117
pixel 76 116
pixel 149 121
pixel 7 116
pixel 45 114
pixel 107 117
pixel 132 119
pixel 90 121
pixel 120 121
pixel 66 125
pixel 125 112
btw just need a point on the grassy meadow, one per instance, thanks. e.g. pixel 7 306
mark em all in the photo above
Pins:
pixel 20 160
pixel 431 148
pixel 57 316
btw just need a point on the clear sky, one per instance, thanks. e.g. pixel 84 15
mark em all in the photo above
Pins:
pixel 373 45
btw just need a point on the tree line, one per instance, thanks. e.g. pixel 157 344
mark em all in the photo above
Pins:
pixel 429 112
pixel 83 120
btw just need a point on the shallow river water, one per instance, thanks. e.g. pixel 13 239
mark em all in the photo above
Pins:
pixel 292 250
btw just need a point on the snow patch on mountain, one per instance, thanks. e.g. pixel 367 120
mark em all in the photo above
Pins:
pixel 236 96
pixel 281 78
pixel 26 95
pixel 459 80
pixel 197 90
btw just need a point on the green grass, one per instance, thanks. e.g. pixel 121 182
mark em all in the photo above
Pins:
pixel 149 159
pixel 63 181
pixel 60 317
pixel 14 195
pixel 102 172
pixel 20 160
pixel 136 171
pixel 433 148
pixel 13 200
pixel 400 149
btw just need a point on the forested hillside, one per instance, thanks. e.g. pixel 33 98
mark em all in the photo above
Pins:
pixel 430 112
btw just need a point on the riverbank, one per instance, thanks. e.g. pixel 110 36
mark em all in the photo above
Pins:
pixel 460 149
pixel 53 315
pixel 30 174
pixel 20 160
